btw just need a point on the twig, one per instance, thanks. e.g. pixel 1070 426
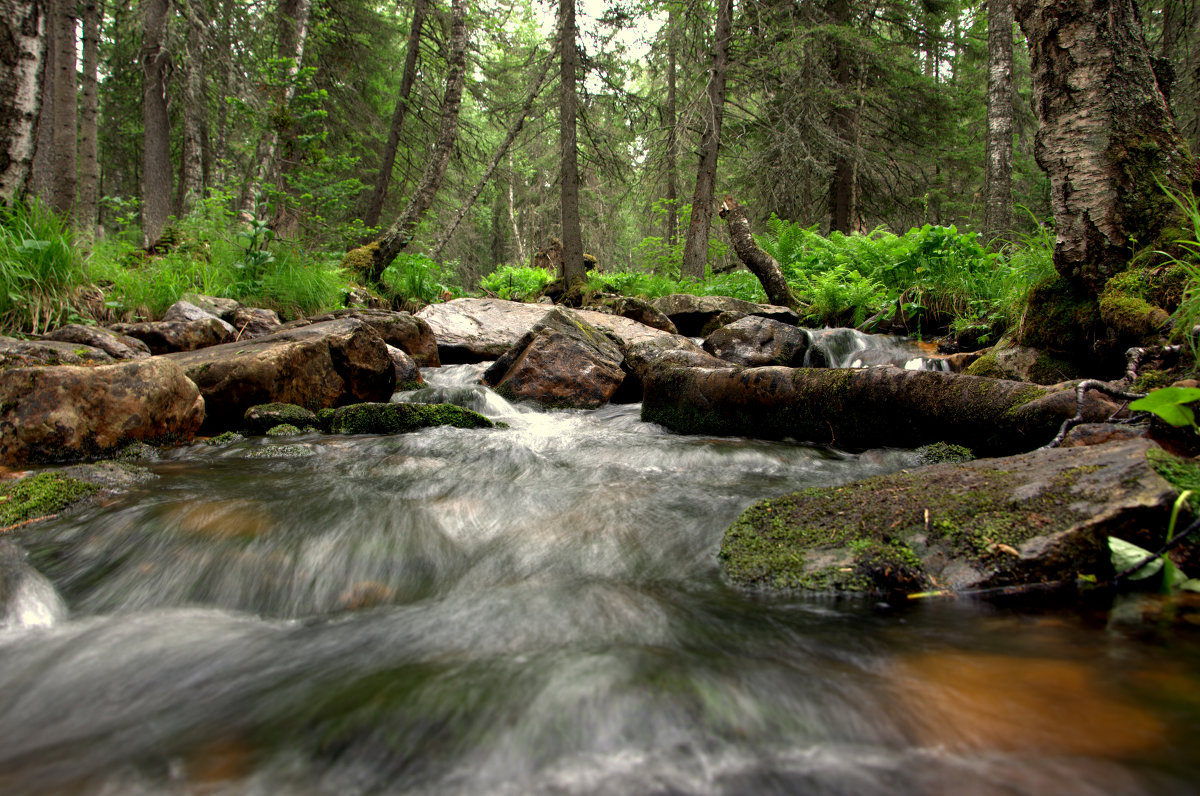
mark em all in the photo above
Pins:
pixel 49 517
pixel 1080 390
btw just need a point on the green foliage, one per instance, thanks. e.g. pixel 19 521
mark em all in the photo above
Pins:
pixel 417 278
pixel 657 255
pixel 1172 404
pixel 839 297
pixel 1187 257
pixel 517 282
pixel 40 269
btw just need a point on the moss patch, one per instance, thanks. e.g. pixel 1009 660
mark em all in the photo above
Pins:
pixel 40 495
pixel 379 418
pixel 1060 316
pixel 225 438
pixel 988 366
pixel 941 452
pixel 1125 310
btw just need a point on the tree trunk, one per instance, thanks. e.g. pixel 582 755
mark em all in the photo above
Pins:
pixel 42 176
pixel 388 158
pixel 761 264
pixel 1107 138
pixel 998 192
pixel 695 248
pixel 87 211
pixel 293 32
pixel 671 121
pixel 156 141
pixel 400 233
pixel 225 89
pixel 572 234
pixel 23 27
pixel 191 188
pixel 841 185
pixel 64 133
pixel 514 129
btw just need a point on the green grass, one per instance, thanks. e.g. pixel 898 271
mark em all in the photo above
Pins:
pixel 40 269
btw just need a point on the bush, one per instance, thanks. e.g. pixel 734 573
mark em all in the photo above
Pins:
pixel 516 282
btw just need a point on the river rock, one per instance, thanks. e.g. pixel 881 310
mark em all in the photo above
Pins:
pixel 63 413
pixel 863 408
pixel 16 353
pixel 315 366
pixel 408 375
pixel 264 417
pixel 117 346
pixel 187 311
pixel 475 330
pixel 401 330
pixel 27 598
pixel 165 337
pixel 1021 363
pixel 1029 519
pixel 252 322
pixel 755 341
pixel 398 418
pixel 633 308
pixel 693 316
pixel 214 305
pixel 562 362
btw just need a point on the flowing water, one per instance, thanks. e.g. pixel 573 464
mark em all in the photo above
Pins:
pixel 539 609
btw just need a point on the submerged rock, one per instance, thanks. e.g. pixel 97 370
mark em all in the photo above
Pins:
pixel 755 341
pixel 857 409
pixel 563 362
pixel 315 366
pixel 117 346
pixel 27 598
pixel 1034 518
pixel 262 418
pixel 66 413
pixel 388 418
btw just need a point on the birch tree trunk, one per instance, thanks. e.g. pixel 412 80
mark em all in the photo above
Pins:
pixel 695 248
pixel 387 159
pixel 156 142
pixel 572 234
pixel 999 147
pixel 398 236
pixel 64 133
pixel 672 121
pixel 191 189
pixel 1107 138
pixel 23 24
pixel 87 209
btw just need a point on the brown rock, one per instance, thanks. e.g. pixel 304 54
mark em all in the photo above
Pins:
pixel 117 346
pixel 402 330
pixel 694 316
pixel 408 375
pixel 252 322
pixel 563 362
pixel 166 337
pixel 65 413
pixel 755 341
pixel 16 353
pixel 315 366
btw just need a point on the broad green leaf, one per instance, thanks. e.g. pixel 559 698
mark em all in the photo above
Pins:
pixel 1125 555
pixel 1190 585
pixel 1170 403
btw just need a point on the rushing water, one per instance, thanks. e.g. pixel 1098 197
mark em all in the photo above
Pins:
pixel 539 609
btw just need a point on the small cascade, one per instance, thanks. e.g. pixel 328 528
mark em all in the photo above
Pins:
pixel 27 598
pixel 850 348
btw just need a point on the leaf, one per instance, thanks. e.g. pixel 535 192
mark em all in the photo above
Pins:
pixel 1190 585
pixel 1169 403
pixel 1126 554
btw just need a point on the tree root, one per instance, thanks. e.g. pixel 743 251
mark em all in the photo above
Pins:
pixel 1081 390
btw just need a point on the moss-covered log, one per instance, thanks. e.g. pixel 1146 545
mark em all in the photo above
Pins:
pixel 857 409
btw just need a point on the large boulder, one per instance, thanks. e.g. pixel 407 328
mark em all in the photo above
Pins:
pixel 169 336
pixel 117 346
pixel 863 408
pixel 476 330
pixel 1041 517
pixel 755 341
pixel 633 308
pixel 16 353
pixel 697 316
pixel 252 322
pixel 62 413
pixel 562 362
pixel 316 366
pixel 402 330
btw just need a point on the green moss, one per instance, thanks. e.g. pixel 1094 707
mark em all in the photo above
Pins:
pixel 40 495
pixel 380 418
pixel 136 450
pixel 360 260
pixel 940 452
pixel 1060 316
pixel 1049 369
pixel 265 416
pixel 226 438
pixel 988 366
pixel 280 452
pixel 283 430
pixel 1149 380
pixel 1183 474
pixel 1125 310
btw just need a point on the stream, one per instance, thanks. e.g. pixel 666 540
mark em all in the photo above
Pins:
pixel 539 609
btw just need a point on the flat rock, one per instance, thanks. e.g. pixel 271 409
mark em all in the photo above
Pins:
pixel 16 353
pixel 755 341
pixel 117 346
pixel 1035 518
pixel 562 362
pixel 315 366
pixel 409 333
pixel 694 316
pixel 215 305
pixel 65 413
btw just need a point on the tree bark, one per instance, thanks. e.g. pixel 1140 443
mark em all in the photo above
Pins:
pixel 761 264
pixel 401 232
pixel 514 129
pixel 572 234
pixel 63 135
pixel 671 121
pixel 156 141
pixel 42 175
pixel 293 32
pixel 695 248
pixel 87 210
pixel 191 189
pixel 1107 138
pixel 998 190
pixel 841 185
pixel 387 159
pixel 512 210
pixel 23 29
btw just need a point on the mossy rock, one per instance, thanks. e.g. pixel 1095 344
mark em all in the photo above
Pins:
pixel 1124 309
pixel 1060 316
pixel 263 417
pixel 41 495
pixel 225 438
pixel 361 260
pixel 987 366
pixel 284 430
pixel 942 452
pixel 280 452
pixel 398 418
